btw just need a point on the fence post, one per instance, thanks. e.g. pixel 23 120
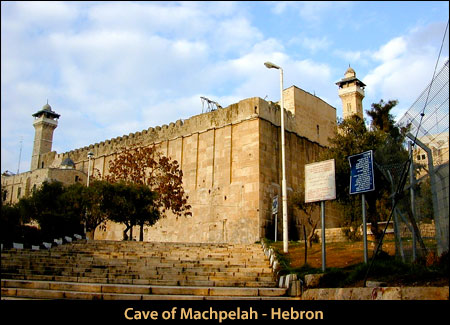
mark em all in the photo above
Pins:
pixel 437 218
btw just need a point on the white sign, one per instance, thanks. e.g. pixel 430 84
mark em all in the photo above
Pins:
pixel 320 183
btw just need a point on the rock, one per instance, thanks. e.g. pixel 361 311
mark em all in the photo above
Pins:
pixel 313 280
pixel 375 284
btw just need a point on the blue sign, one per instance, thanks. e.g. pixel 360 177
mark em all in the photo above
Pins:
pixel 361 173
pixel 275 205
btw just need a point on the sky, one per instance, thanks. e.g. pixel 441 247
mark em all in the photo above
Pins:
pixel 114 68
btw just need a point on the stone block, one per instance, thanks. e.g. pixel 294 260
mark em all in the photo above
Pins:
pixel 115 296
pixel 313 280
pixel 375 284
pixel 17 246
pixel 118 288
pixel 362 294
pixel 425 293
pixel 294 288
pixel 343 294
pixel 175 290
pixel 274 292
pixel 233 291
pixel 82 295
pixel 388 293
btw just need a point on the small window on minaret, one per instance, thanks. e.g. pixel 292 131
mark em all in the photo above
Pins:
pixel 318 130
pixel 42 165
pixel 349 107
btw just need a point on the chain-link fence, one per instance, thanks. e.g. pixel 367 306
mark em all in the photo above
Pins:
pixel 426 195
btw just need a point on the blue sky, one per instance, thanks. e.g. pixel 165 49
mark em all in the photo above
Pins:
pixel 112 68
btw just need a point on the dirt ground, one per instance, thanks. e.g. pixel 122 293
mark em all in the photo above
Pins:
pixel 342 255
pixel 337 255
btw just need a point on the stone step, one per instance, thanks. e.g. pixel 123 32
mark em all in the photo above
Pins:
pixel 100 269
pixel 72 290
pixel 108 257
pixel 127 280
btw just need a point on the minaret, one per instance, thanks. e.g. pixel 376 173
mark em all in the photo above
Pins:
pixel 351 91
pixel 45 122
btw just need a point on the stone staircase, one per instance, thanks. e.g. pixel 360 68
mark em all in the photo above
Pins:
pixel 112 270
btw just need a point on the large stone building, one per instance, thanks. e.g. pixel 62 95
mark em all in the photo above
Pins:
pixel 230 159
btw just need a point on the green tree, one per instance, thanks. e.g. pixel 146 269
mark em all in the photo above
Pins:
pixel 10 223
pixel 146 212
pixel 130 204
pixel 50 207
pixel 385 138
pixel 95 213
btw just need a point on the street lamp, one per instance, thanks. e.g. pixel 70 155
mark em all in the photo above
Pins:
pixel 90 155
pixel 270 65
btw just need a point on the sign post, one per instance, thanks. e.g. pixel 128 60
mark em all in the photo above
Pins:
pixel 275 212
pixel 361 181
pixel 320 185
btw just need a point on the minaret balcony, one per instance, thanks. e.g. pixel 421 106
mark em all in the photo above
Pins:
pixel 351 89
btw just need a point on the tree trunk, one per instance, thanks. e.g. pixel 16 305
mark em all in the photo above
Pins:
pixel 306 245
pixel 125 235
pixel 141 232
pixel 311 234
pixel 372 217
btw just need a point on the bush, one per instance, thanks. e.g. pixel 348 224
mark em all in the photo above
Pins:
pixel 9 223
pixel 351 233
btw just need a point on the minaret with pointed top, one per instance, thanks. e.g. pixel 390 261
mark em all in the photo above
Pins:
pixel 45 122
pixel 351 91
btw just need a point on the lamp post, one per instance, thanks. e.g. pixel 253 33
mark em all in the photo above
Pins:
pixel 270 65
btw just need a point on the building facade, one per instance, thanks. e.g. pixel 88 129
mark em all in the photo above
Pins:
pixel 230 158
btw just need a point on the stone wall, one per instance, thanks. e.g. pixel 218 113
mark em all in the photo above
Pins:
pixel 21 185
pixel 230 158
pixel 335 235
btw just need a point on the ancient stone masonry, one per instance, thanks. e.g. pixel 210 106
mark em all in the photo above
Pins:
pixel 231 165
pixel 230 158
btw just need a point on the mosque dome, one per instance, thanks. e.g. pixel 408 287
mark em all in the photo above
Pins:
pixel 46 107
pixel 350 72
pixel 68 163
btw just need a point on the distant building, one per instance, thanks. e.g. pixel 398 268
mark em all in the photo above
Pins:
pixel 438 143
pixel 21 185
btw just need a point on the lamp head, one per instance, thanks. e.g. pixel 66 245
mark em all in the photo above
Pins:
pixel 90 154
pixel 270 65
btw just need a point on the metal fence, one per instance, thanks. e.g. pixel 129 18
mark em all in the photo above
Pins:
pixel 427 202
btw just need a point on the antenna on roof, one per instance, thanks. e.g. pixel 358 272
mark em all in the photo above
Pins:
pixel 211 105
pixel 20 154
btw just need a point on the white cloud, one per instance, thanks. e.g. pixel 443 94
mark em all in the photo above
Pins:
pixel 111 68
pixel 312 12
pixel 44 14
pixel 354 57
pixel 406 65
pixel 393 49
